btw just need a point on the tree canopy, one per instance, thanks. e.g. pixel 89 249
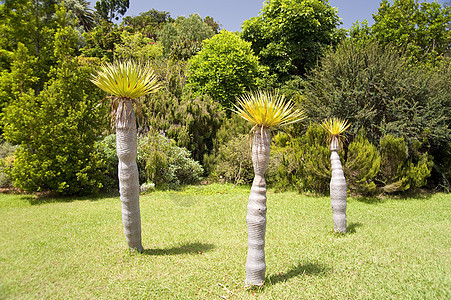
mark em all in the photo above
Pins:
pixel 226 67
pixel 289 35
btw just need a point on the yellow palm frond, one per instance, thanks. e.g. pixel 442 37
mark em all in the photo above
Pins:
pixel 126 79
pixel 266 109
pixel 335 126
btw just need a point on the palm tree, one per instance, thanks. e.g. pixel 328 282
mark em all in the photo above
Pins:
pixel 338 188
pixel 265 110
pixel 126 82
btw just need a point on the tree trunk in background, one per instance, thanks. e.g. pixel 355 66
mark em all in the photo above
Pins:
pixel 338 189
pixel 126 143
pixel 256 210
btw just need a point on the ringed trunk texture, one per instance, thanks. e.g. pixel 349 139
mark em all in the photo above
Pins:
pixel 338 189
pixel 126 144
pixel 256 210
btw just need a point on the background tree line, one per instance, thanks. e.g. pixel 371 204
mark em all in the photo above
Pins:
pixel 390 80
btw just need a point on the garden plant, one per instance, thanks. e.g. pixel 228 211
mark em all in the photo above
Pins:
pixel 127 81
pixel 338 188
pixel 266 110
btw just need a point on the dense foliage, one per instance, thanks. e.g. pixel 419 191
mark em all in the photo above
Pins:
pixel 289 36
pixel 390 80
pixel 226 67
pixel 57 131
pixel 165 164
pixel 362 165
pixel 419 29
pixel 183 38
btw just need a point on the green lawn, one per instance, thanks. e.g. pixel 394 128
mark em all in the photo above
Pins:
pixel 195 243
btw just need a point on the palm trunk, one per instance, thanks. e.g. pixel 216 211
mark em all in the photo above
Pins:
pixel 256 210
pixel 338 189
pixel 126 144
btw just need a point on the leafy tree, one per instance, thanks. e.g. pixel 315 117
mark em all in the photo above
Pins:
pixel 147 23
pixel 225 68
pixel 183 38
pixel 420 29
pixel 109 10
pixel 20 78
pixel 32 24
pixel 290 35
pixel 57 129
pixel 374 88
pixel 25 65
pixel 212 23
pixel 136 46
pixel 102 40
pixel 17 25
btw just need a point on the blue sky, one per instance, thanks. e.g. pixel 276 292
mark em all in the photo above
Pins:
pixel 231 13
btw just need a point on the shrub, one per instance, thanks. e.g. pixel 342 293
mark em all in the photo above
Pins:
pixel 398 172
pixel 6 163
pixel 233 162
pixel 166 165
pixel 362 165
pixel 138 47
pixel 230 128
pixel 374 88
pixel 107 149
pixel 147 187
pixel 313 156
pixel 303 162
pixel 192 121
pixel 57 131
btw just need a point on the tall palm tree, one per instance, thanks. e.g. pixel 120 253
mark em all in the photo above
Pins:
pixel 126 82
pixel 338 188
pixel 265 110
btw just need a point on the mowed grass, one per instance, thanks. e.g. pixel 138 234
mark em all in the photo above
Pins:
pixel 195 245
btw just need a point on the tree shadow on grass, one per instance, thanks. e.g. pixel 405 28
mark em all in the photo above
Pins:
pixel 369 200
pixel 188 248
pixel 44 198
pixel 352 226
pixel 302 269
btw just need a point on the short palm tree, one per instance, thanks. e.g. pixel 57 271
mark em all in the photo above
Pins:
pixel 126 82
pixel 338 188
pixel 265 110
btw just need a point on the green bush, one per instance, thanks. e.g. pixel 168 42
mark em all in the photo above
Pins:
pixel 162 162
pixel 6 162
pixel 58 129
pixel 313 155
pixel 233 162
pixel 398 171
pixel 107 149
pixel 302 163
pixel 362 165
pixel 192 121
pixel 375 88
